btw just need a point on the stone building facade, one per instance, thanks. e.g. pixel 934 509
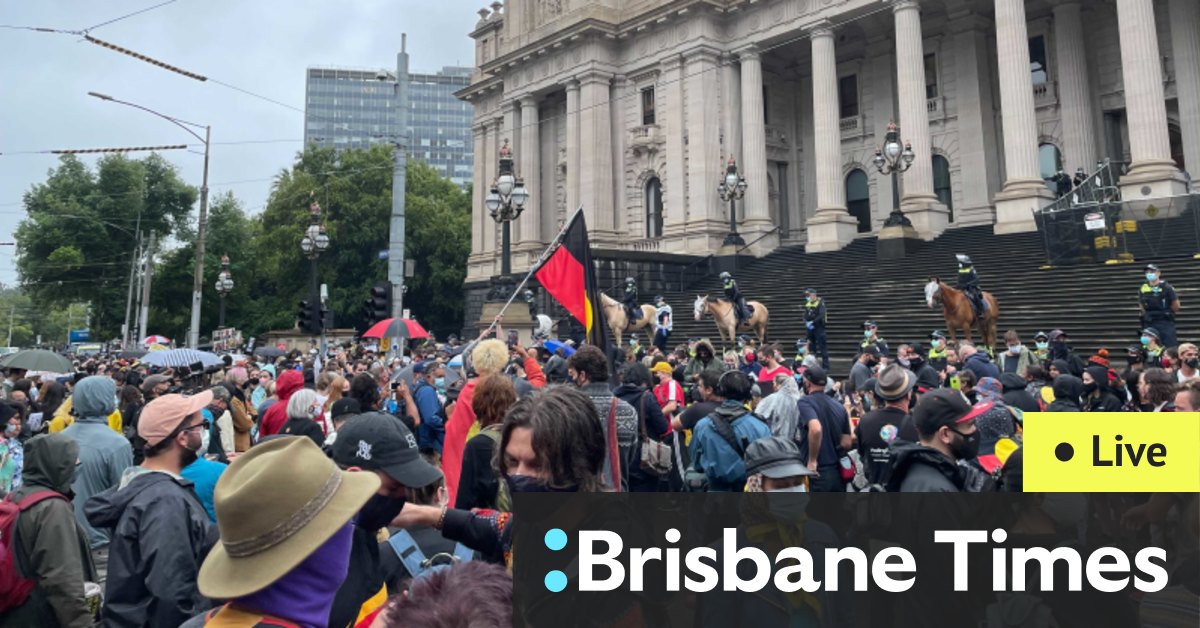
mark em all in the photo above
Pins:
pixel 630 109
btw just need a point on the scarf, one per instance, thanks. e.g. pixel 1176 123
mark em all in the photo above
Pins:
pixel 305 594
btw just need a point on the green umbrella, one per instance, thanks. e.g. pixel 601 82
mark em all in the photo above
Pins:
pixel 37 360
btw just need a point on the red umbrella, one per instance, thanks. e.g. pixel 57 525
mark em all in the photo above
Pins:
pixel 396 328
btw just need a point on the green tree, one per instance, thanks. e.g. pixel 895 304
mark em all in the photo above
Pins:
pixel 80 236
pixel 438 239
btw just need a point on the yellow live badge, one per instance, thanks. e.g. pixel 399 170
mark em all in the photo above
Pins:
pixel 1112 452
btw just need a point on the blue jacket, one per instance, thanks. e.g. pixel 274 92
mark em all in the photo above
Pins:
pixel 724 466
pixel 203 474
pixel 103 456
pixel 980 364
pixel 432 430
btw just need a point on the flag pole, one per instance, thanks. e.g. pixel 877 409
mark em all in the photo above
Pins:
pixel 533 269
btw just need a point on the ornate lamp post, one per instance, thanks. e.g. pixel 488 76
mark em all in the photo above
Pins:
pixel 314 242
pixel 732 189
pixel 504 203
pixel 890 159
pixel 224 286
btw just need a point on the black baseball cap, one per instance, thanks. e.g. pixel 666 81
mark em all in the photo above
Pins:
pixel 938 408
pixel 816 375
pixel 380 442
pixel 776 458
pixel 344 406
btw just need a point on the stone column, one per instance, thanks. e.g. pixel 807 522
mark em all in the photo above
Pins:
pixel 883 110
pixel 704 170
pixel 529 168
pixel 928 216
pixel 671 119
pixel 754 144
pixel 1074 93
pixel 491 239
pixel 572 143
pixel 731 114
pixel 1024 191
pixel 832 227
pixel 1152 174
pixel 1185 47
pixel 595 155
pixel 479 189
pixel 978 162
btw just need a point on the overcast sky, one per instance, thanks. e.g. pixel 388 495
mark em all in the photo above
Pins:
pixel 262 46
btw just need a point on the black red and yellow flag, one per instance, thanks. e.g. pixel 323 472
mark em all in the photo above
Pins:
pixel 570 277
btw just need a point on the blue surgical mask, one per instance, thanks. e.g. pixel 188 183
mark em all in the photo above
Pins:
pixel 1150 276
pixel 1145 341
pixel 1042 345
pixel 867 333
pixel 10 430
pixel 440 383
pixel 1014 349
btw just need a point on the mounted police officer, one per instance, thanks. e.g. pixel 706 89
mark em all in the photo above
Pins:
pixel 1158 304
pixel 871 339
pixel 968 282
pixel 734 294
pixel 531 301
pixel 633 311
pixel 664 322
pixel 815 318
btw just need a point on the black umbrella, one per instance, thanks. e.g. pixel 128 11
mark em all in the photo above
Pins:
pixel 37 360
pixel 269 352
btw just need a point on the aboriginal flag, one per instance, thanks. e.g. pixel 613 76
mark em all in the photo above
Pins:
pixel 570 277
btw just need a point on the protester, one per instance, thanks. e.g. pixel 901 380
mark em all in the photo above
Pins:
pixel 276 415
pixel 864 363
pixel 1015 392
pixel 218 435
pixel 720 439
pixel 1017 358
pixel 473 594
pixel 159 529
pixel 303 408
pixel 1187 396
pixel 1068 390
pixel 49 546
pixel 881 427
pixel 705 360
pixel 204 473
pixel 1097 395
pixel 589 370
pixel 823 432
pixel 948 435
pixel 1189 362
pixel 12 452
pixel 1156 388
pixel 341 411
pixel 485 358
pixel 479 484
pixel 378 443
pixel 996 423
pixel 431 432
pixel 668 391
pixel 779 410
pixel 709 400
pixel 977 361
pixel 241 410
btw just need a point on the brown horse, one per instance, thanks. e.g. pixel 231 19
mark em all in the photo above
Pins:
pixel 957 310
pixel 726 320
pixel 618 322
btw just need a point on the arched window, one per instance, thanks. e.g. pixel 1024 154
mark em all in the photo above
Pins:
pixel 858 199
pixel 941 183
pixel 1049 163
pixel 654 213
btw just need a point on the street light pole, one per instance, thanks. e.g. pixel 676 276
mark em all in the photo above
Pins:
pixel 732 188
pixel 891 160
pixel 198 274
pixel 224 287
pixel 505 202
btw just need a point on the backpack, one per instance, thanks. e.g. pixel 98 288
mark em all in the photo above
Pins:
pixel 14 589
pixel 415 562
pixel 724 462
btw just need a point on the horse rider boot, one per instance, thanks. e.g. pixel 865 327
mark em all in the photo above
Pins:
pixel 632 310
pixel 734 294
pixel 815 318
pixel 968 282
pixel 1158 302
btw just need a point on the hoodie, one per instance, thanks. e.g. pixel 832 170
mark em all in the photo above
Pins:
pixel 1105 400
pixel 160 535
pixel 49 544
pixel 920 469
pixel 287 384
pixel 103 454
pixel 695 366
pixel 1067 391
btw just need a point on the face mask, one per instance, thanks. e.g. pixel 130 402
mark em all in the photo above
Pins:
pixel 1145 341
pixel 204 440
pixel 905 362
pixel 1192 363
pixel 1042 345
pixel 1014 349
pixel 1150 276
pixel 530 484
pixel 788 504
pixel 379 511
pixel 11 430
pixel 867 333
pixel 872 363
pixel 440 383
pixel 916 363
pixel 190 454
pixel 938 344
pixel 1088 389
pixel 966 447
pixel 801 350
pixel 34 394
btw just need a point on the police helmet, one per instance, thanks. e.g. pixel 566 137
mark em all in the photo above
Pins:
pixel 1153 268
pixel 726 276
pixel 658 298
pixel 938 335
pixel 963 259
pixel 808 291
pixel 870 325
pixel 629 280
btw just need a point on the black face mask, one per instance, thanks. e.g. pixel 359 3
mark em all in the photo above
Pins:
pixel 530 484
pixel 1088 389
pixel 379 511
pixel 966 447
pixel 915 364
pixel 1192 363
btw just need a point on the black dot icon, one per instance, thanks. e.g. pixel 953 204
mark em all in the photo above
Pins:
pixel 1064 452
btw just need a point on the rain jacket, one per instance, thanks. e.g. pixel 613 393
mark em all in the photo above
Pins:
pixel 243 417
pixel 160 536
pixel 49 544
pixel 920 469
pixel 103 454
pixel 274 418
pixel 695 366
pixel 64 419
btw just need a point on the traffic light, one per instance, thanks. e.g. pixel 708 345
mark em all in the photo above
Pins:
pixel 326 317
pixel 379 306
pixel 309 317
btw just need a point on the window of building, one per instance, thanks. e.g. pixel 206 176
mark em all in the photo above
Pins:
pixel 654 213
pixel 648 105
pixel 1049 163
pixel 848 96
pixel 1037 60
pixel 931 82
pixel 941 183
pixel 858 199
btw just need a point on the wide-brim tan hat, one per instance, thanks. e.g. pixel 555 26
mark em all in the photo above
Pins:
pixel 277 504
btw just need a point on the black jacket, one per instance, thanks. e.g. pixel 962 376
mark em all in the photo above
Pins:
pixel 650 415
pixel 1067 391
pixel 160 535
pixel 304 427
pixel 920 469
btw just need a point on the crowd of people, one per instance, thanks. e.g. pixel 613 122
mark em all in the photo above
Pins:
pixel 360 489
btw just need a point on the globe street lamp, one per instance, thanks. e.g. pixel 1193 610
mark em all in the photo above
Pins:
pixel 732 189
pixel 314 242
pixel 890 159
pixel 505 202
pixel 224 286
